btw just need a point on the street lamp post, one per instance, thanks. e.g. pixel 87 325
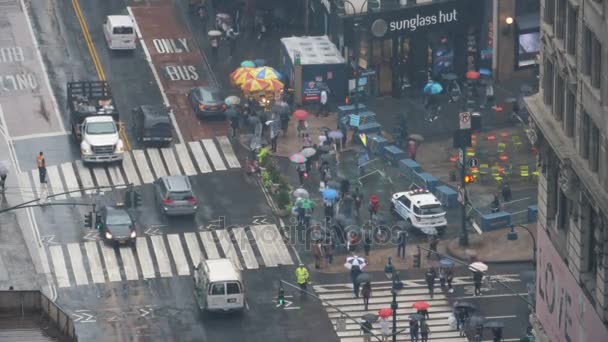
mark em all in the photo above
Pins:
pixel 512 236
pixel 391 273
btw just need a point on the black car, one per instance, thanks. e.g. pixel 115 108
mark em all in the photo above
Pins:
pixel 206 101
pixel 153 125
pixel 116 226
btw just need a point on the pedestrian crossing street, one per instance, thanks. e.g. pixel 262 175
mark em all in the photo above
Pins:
pixel 161 256
pixel 341 296
pixel 138 167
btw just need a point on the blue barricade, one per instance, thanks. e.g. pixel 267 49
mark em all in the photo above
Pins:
pixel 427 180
pixel 393 153
pixel 497 220
pixel 532 213
pixel 447 196
pixel 349 109
pixel 408 167
pixel 370 128
pixel 376 143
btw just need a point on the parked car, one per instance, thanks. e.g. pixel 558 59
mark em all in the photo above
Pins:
pixel 153 125
pixel 116 226
pixel 206 101
pixel 174 195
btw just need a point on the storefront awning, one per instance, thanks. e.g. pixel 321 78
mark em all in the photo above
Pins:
pixel 528 22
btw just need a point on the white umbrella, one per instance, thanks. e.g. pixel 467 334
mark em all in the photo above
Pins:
pixel 301 193
pixel 478 267
pixel 308 152
pixel 355 261
pixel 4 167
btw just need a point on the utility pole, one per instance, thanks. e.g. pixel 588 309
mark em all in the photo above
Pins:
pixel 464 235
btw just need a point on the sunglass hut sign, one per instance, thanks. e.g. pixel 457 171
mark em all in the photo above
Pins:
pixel 412 24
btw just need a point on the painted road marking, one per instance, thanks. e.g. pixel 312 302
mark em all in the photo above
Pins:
pixel 157 163
pixel 214 154
pixel 199 156
pixel 109 257
pixel 228 248
pixel 80 273
pixel 193 248
pixel 56 185
pixel 209 244
pixel 116 176
pixel 271 245
pixel 102 178
pixel 29 191
pixel 36 180
pixel 70 179
pixel 184 158
pixel 61 272
pixel 145 260
pixel 129 167
pixel 171 162
pixel 142 166
pixel 85 176
pixel 181 263
pixel 128 262
pixel 162 259
pixel 226 147
pixel 243 241
pixel 94 262
pixel 279 244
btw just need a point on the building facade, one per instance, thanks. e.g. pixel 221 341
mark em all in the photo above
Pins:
pixel 569 126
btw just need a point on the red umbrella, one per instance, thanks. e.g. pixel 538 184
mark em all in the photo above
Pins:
pixel 385 312
pixel 300 114
pixel 421 305
pixel 472 75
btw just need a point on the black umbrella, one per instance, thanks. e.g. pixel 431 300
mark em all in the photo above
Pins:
pixel 364 278
pixel 416 317
pixel 464 305
pixel 370 317
pixel 494 324
pixel 475 321
pixel 324 148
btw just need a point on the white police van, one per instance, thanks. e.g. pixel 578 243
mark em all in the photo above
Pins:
pixel 421 209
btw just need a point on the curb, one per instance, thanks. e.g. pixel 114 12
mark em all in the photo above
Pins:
pixel 456 256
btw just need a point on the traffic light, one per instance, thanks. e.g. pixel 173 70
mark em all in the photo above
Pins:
pixel 88 220
pixel 468 179
pixel 98 222
pixel 417 258
pixel 136 199
pixel 281 296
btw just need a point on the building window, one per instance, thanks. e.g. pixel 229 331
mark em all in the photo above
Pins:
pixel 558 106
pixel 570 112
pixel 594 147
pixel 549 15
pixel 571 31
pixel 596 62
pixel 563 212
pixel 585 130
pixel 548 82
pixel 560 18
pixel 587 38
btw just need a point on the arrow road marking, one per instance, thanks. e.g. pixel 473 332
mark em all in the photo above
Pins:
pixel 287 304
pixel 154 230
pixel 92 236
pixel 83 316
pixel 144 312
pixel 260 220
pixel 213 224
pixel 48 240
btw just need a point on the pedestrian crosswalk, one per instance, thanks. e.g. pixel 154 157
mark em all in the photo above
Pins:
pixel 161 256
pixel 138 167
pixel 341 297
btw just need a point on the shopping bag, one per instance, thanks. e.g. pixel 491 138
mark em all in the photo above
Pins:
pixel 452 321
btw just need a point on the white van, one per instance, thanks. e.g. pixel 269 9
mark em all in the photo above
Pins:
pixel 218 286
pixel 119 31
pixel 421 209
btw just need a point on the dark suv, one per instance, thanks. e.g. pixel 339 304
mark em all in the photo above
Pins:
pixel 153 125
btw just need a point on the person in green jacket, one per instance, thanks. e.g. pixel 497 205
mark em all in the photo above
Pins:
pixel 302 276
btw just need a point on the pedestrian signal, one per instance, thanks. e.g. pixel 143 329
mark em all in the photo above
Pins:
pixel 88 220
pixel 281 296
pixel 417 258
pixel 468 179
pixel 98 222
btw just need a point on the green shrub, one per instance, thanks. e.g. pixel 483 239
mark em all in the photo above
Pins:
pixel 275 174
pixel 266 180
pixel 263 155
pixel 283 199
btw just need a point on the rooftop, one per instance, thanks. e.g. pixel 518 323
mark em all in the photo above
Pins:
pixel 313 50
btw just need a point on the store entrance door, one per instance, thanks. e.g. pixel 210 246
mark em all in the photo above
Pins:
pixel 382 53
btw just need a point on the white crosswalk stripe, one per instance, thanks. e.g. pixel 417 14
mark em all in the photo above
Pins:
pixel 271 245
pixel 28 190
pixel 154 256
pixel 341 297
pixel 136 168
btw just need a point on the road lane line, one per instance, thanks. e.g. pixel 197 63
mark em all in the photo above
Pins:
pixel 28 191
pixel 226 147
pixel 500 317
pixel 157 163
pixel 169 157
pixel 214 154
pixel 200 157
pixel 243 241
pixel 228 248
pixel 94 262
pixel 85 176
pixel 145 260
pixel 142 165
pixel 181 263
pixel 101 177
pixel 61 272
pixel 525 294
pixel 37 186
pixel 70 178
pixel 80 273
pixel 129 167
pixel 109 257
pixel 88 40
pixel 209 245
pixel 116 176
pixel 184 158
pixel 164 267
pixel 269 253
pixel 39 135
pixel 56 185
pixel 144 46
pixel 193 248
pixel 128 262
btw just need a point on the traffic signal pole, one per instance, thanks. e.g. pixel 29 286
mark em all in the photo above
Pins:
pixel 463 241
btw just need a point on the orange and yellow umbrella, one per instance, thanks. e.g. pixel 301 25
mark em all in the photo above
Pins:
pixel 241 75
pixel 275 85
pixel 267 73
pixel 254 84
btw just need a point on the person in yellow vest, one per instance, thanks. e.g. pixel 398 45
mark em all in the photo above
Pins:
pixel 302 276
pixel 41 163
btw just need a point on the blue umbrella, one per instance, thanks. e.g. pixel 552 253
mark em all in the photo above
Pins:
pixel 248 64
pixel 330 194
pixel 485 72
pixel 432 88
pixel 447 263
